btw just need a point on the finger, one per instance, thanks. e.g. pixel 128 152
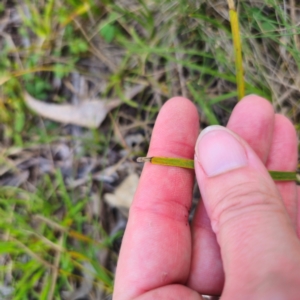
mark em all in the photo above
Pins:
pixel 156 248
pixel 298 216
pixel 173 291
pixel 247 214
pixel 206 275
pixel 278 149
pixel 283 156
pixel 252 119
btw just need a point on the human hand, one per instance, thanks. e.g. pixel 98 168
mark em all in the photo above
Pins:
pixel 254 220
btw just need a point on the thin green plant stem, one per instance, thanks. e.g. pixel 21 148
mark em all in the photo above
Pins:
pixel 168 161
pixel 189 164
pixel 234 22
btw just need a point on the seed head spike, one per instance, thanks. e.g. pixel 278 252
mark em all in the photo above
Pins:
pixel 143 159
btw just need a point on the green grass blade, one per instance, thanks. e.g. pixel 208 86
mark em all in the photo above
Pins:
pixel 222 97
pixel 189 164
pixel 212 119
pixel 283 176
pixel 179 162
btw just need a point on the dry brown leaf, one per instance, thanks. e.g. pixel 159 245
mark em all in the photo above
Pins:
pixel 88 114
pixel 123 196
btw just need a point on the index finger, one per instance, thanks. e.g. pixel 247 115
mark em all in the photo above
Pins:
pixel 156 248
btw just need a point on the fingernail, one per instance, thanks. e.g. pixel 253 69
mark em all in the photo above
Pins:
pixel 218 151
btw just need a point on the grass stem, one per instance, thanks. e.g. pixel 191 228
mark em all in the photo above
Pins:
pixel 189 164
pixel 234 22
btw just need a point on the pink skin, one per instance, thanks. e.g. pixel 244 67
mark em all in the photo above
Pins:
pixel 163 258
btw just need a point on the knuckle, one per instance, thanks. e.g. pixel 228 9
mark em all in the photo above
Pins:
pixel 163 209
pixel 243 199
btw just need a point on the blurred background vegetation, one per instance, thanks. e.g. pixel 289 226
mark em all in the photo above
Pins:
pixel 67 181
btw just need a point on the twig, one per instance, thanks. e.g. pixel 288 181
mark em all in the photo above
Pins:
pixel 55 270
pixel 294 23
pixel 179 56
pixel 32 254
pixel 96 52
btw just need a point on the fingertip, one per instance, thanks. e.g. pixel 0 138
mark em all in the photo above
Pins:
pixel 252 105
pixel 253 120
pixel 284 149
pixel 180 106
pixel 179 100
pixel 286 122
pixel 176 129
pixel 257 101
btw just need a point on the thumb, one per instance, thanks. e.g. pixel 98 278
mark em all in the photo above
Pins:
pixel 259 247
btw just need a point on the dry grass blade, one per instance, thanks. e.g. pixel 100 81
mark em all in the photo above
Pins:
pixel 32 254
pixel 5 78
pixel 55 270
